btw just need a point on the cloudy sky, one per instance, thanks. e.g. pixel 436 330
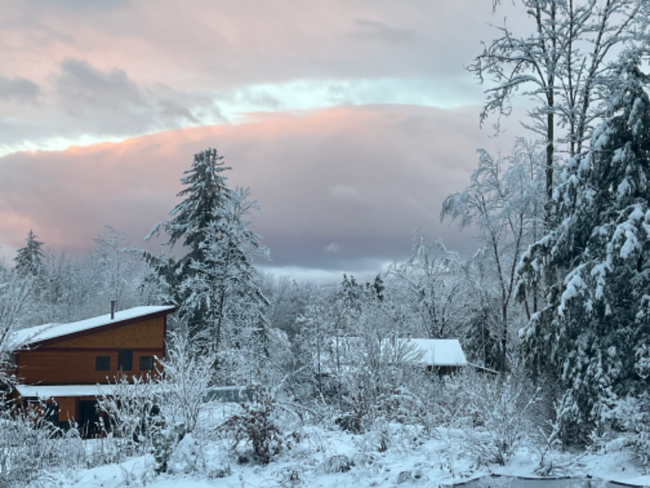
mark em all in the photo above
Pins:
pixel 350 120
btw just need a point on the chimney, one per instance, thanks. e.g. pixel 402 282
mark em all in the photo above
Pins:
pixel 113 303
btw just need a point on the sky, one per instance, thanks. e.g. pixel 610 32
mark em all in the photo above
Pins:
pixel 349 120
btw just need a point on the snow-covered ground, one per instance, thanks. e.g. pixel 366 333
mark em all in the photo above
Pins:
pixel 318 457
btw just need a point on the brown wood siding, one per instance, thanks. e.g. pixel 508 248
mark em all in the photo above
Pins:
pixel 74 367
pixel 67 408
pixel 144 334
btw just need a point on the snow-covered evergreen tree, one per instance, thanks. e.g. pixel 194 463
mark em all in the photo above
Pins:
pixel 225 284
pixel 204 202
pixel 15 294
pixel 594 336
pixel 215 284
pixel 29 259
pixel 480 330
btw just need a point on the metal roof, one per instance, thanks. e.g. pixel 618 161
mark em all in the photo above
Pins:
pixel 41 333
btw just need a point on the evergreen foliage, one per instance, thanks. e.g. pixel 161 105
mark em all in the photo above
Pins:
pixel 215 284
pixel 204 201
pixel 225 284
pixel 594 334
pixel 29 259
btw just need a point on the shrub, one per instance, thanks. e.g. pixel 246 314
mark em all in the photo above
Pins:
pixel 338 463
pixel 499 408
pixel 131 409
pixel 27 447
pixel 256 424
pixel 632 414
pixel 164 444
pixel 187 456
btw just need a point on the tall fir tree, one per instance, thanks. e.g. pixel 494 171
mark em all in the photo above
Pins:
pixel 29 259
pixel 215 283
pixel 225 284
pixel 594 336
pixel 204 201
pixel 204 198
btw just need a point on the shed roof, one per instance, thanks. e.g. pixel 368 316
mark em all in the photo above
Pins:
pixel 438 352
pixel 430 352
pixel 41 333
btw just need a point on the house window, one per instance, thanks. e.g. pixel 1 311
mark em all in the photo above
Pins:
pixel 125 360
pixel 102 363
pixel 146 363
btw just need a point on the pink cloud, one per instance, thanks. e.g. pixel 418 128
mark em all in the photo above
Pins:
pixel 362 177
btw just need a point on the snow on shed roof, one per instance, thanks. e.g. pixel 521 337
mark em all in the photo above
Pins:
pixel 439 352
pixel 45 392
pixel 430 352
pixel 40 333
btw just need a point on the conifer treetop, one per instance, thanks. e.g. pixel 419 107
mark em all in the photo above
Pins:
pixel 30 257
pixel 204 199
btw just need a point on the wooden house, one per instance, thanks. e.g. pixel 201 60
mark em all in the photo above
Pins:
pixel 68 366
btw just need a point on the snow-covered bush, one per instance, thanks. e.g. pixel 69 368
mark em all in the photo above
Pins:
pixel 187 456
pixel 446 399
pixel 338 463
pixel 500 410
pixel 380 379
pixel 187 376
pixel 27 447
pixel 72 450
pixel 131 412
pixel 256 424
pixel 165 443
pixel 633 415
pixel 497 414
pixel 179 396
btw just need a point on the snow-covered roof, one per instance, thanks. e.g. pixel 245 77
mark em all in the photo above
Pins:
pixel 430 352
pixel 45 392
pixel 439 352
pixel 40 333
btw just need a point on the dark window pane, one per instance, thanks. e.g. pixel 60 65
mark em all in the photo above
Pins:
pixel 102 363
pixel 125 360
pixel 146 363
